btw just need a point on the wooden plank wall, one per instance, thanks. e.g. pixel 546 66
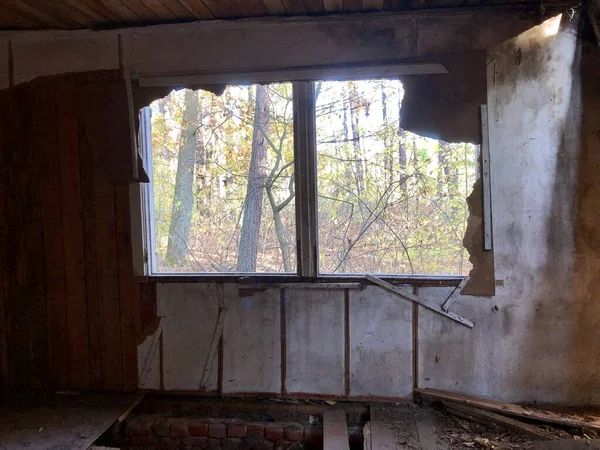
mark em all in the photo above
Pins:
pixel 70 306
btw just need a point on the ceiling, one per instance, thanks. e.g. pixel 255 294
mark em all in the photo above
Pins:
pixel 76 14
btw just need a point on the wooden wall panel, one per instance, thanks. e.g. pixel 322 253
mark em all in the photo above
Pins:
pixel 52 219
pixel 70 306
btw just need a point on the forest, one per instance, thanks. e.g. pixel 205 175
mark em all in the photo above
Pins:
pixel 389 201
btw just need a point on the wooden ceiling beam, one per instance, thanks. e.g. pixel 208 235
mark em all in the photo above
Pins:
pixel 333 5
pixel 198 9
pixel 275 7
pixel 218 9
pixel 314 6
pixel 372 5
pixel 141 10
pixel 353 5
pixel 43 17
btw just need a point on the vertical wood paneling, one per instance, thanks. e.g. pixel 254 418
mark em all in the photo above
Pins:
pixel 98 115
pixel 70 306
pixel 129 292
pixel 4 100
pixel 91 273
pixel 74 261
pixel 49 168
pixel 25 306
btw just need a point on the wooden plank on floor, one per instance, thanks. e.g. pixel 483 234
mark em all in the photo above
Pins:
pixel 382 433
pixel 73 239
pixel 65 422
pixel 503 422
pixel 427 427
pixel 52 217
pixel 539 415
pixel 568 444
pixel 335 430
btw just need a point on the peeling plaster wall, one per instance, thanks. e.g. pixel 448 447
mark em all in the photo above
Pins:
pixel 535 340
pixel 537 346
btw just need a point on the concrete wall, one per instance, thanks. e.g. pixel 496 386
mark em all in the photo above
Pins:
pixel 254 44
pixel 534 341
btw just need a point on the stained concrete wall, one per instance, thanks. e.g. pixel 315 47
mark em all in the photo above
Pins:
pixel 255 44
pixel 535 340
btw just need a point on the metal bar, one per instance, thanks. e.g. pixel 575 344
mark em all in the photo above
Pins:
pixel 305 177
pixel 414 298
pixel 487 188
pixel 454 294
pixel 351 72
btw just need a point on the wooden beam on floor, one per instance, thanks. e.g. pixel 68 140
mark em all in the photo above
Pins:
pixel 509 409
pixel 382 434
pixel 502 422
pixel 414 298
pixel 335 431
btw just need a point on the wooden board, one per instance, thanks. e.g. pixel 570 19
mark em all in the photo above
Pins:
pixel 568 444
pixel 65 422
pixel 382 434
pixel 414 298
pixel 513 410
pixel 502 422
pixel 427 427
pixel 335 431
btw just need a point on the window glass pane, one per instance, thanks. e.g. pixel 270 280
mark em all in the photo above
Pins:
pixel 223 180
pixel 390 201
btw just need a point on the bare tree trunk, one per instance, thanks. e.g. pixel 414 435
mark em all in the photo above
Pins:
pixel 248 247
pixel 354 124
pixel 183 198
pixel 388 154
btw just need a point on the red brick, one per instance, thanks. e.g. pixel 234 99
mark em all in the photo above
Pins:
pixel 179 428
pixel 273 432
pixel 294 433
pixel 214 444
pixel 144 441
pixel 231 443
pixel 198 428
pixel 195 441
pixel 235 430
pixel 141 426
pixel 259 444
pixel 255 430
pixel 313 436
pixel 169 443
pixel 162 427
pixel 217 430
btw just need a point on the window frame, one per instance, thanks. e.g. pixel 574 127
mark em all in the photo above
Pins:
pixel 305 173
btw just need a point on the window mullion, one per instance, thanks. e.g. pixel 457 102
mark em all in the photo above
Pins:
pixel 305 142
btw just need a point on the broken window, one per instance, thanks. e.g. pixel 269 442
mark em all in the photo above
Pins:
pixel 390 201
pixel 231 173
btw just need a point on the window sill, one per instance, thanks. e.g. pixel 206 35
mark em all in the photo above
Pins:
pixel 282 279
